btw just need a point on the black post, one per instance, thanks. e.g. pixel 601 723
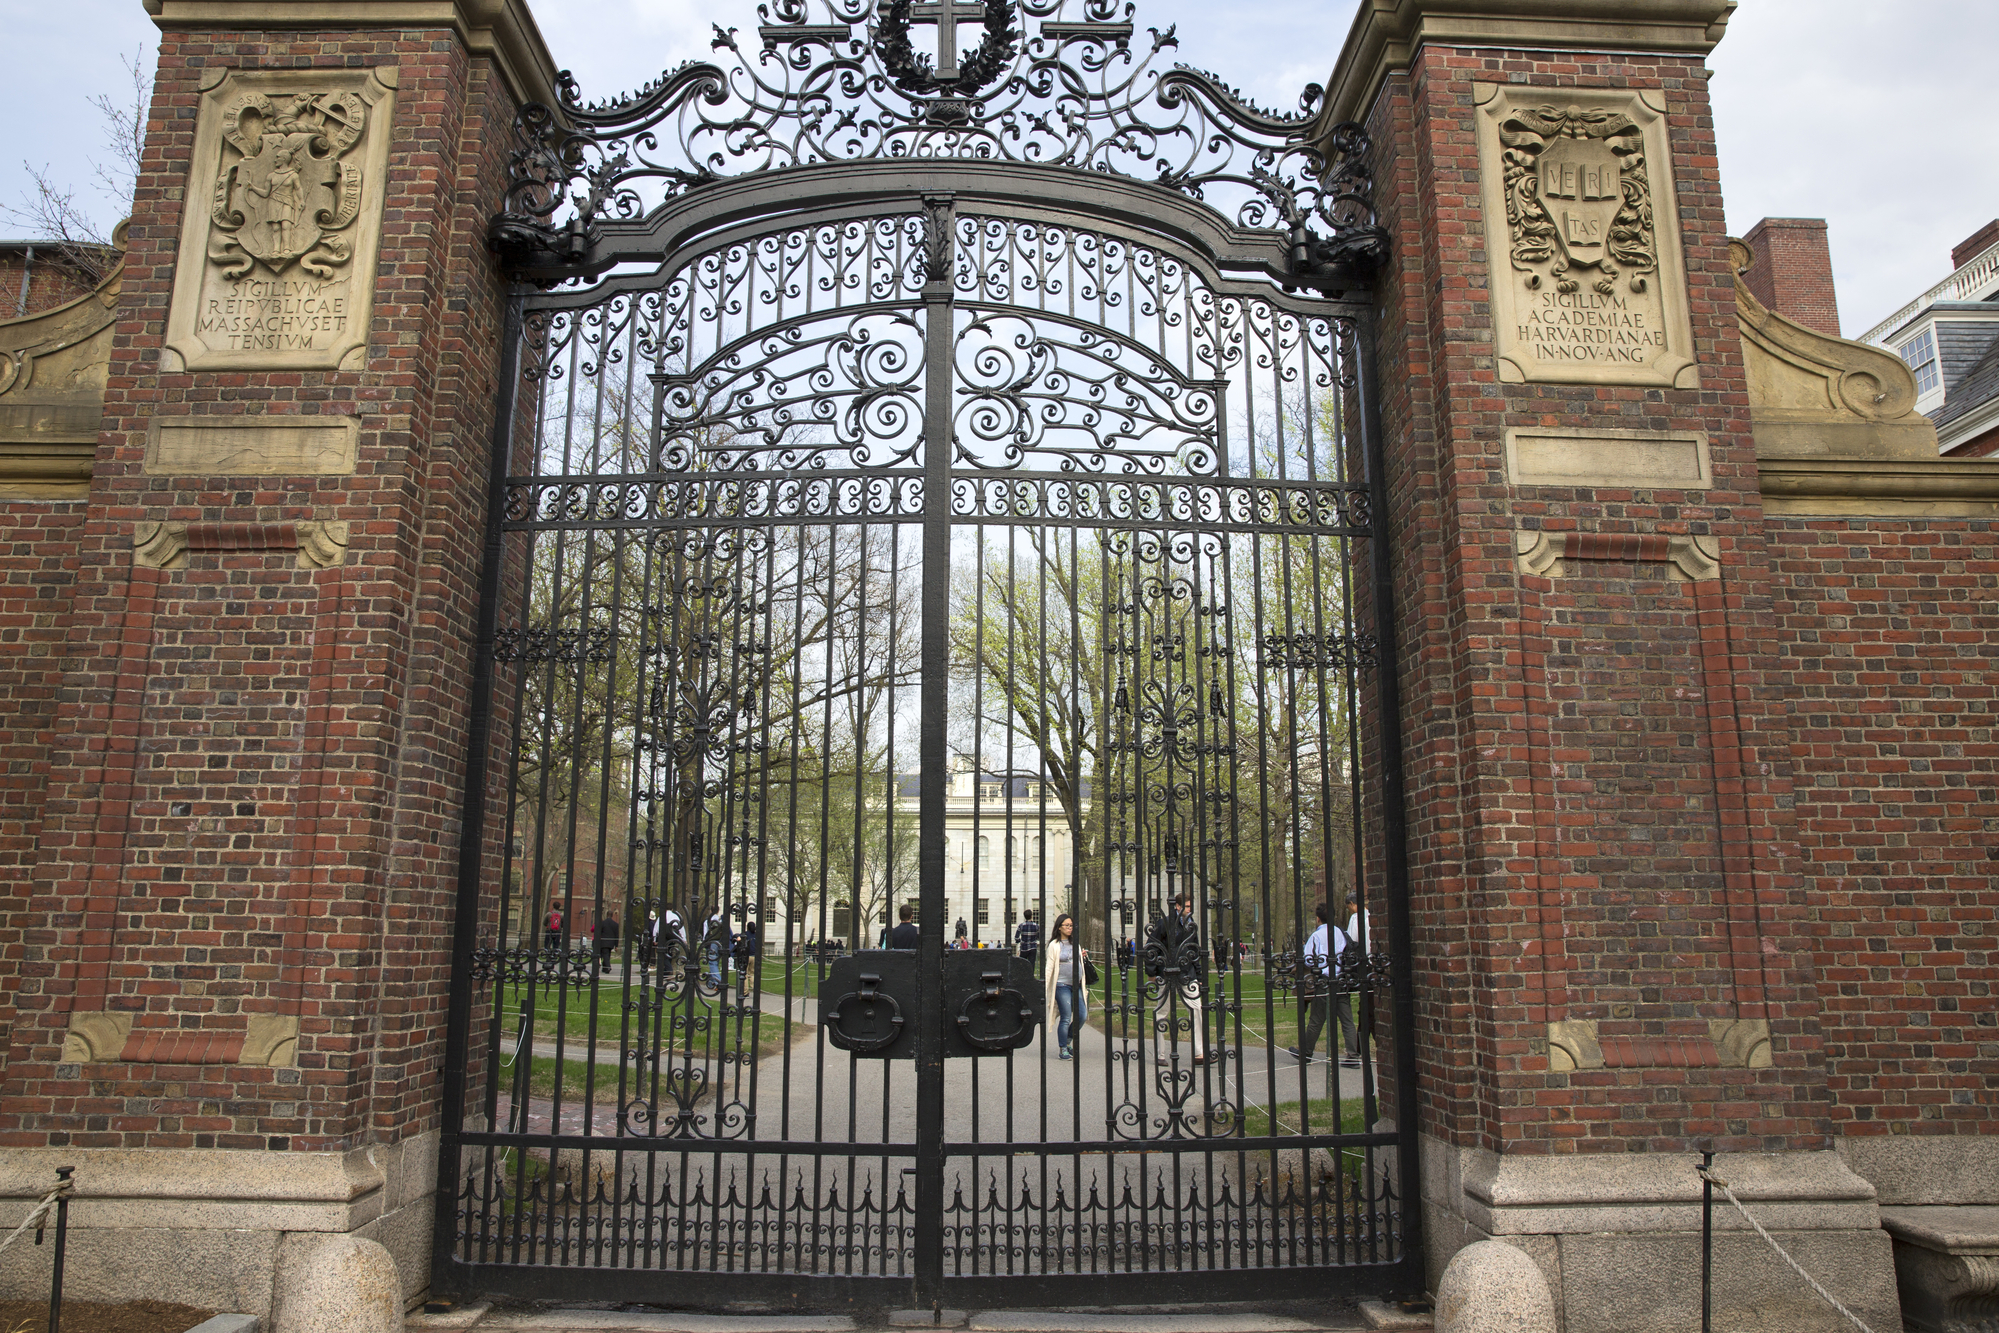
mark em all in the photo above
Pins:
pixel 1394 812
pixel 63 1174
pixel 933 740
pixel 1707 1243
pixel 472 825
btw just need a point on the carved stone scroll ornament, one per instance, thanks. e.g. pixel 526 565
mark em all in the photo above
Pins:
pixel 292 189
pixel 1577 197
pixel 1812 395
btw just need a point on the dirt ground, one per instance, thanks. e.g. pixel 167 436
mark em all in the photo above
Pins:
pixel 87 1317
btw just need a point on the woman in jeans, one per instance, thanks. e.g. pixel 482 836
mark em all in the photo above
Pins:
pixel 1064 975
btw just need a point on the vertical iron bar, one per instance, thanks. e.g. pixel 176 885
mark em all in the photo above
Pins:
pixel 934 697
pixel 472 829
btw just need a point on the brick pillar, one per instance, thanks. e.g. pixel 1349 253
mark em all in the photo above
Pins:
pixel 1613 953
pixel 233 981
pixel 1792 274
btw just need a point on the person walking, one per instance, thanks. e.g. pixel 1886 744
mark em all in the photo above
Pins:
pixel 605 933
pixel 667 937
pixel 551 938
pixel 1177 961
pixel 1066 977
pixel 716 940
pixel 1357 925
pixel 1353 967
pixel 907 934
pixel 1028 935
pixel 1316 989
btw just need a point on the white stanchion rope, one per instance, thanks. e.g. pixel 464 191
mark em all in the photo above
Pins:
pixel 1782 1253
pixel 40 1212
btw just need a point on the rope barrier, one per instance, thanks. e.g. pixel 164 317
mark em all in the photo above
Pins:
pixel 1782 1253
pixel 38 1216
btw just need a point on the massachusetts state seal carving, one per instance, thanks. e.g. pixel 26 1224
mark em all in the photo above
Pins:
pixel 289 191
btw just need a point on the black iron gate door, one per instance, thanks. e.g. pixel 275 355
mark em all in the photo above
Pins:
pixel 933 687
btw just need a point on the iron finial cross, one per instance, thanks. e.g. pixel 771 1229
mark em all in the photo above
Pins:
pixel 946 14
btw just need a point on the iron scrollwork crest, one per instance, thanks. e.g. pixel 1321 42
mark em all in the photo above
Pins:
pixel 1091 95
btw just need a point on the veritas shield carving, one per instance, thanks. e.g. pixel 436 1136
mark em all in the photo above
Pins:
pixel 1577 196
pixel 289 194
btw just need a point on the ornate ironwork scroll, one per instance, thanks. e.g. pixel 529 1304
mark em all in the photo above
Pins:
pixel 849 84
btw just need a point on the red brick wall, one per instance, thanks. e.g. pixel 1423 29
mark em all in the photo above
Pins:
pixel 255 774
pixel 1792 274
pixel 1891 641
pixel 1599 796
pixel 37 567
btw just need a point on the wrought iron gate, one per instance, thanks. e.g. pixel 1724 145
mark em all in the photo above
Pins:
pixel 914 498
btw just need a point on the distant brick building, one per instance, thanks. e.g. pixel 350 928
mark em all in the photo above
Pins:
pixel 40 275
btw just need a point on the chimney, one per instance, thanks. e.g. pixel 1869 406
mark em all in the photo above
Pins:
pixel 1792 274
pixel 1974 245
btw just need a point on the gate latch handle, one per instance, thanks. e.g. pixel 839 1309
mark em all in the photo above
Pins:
pixel 991 993
pixel 869 995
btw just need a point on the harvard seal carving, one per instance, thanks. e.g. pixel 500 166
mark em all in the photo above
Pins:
pixel 1577 197
pixel 291 192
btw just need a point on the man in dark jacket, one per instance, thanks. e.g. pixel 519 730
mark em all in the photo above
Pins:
pixel 1173 955
pixel 1028 934
pixel 606 934
pixel 906 935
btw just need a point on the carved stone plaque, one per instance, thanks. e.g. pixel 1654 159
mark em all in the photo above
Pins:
pixel 252 446
pixel 1582 237
pixel 283 222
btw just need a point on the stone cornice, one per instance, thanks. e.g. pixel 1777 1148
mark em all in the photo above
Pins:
pixel 1386 35
pixel 501 30
pixel 1880 488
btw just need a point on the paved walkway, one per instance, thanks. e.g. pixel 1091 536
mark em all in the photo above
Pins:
pixel 814 1092
pixel 482 1318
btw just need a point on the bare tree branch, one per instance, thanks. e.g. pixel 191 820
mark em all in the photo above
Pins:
pixel 49 210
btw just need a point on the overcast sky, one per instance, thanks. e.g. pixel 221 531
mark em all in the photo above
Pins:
pixel 1877 115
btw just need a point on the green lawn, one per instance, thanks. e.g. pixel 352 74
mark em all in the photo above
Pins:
pixel 804 977
pixel 571 1011
pixel 1290 1118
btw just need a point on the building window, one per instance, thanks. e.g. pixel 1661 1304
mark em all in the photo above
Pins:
pixel 985 853
pixel 1921 354
pixel 843 921
pixel 984 913
pixel 770 908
